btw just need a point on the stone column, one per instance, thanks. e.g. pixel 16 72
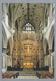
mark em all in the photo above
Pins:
pixel 50 51
pixel 41 54
pixel 19 46
pixel 50 65
pixel 4 65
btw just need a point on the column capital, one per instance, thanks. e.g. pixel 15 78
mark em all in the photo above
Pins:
pixel 50 50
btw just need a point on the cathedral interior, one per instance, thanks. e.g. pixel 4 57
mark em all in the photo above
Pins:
pixel 28 40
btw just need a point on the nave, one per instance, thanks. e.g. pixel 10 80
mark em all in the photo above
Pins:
pixel 28 40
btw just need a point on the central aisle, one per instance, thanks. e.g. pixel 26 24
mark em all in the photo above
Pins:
pixel 27 72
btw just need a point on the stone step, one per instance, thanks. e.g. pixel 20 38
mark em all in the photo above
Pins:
pixel 28 77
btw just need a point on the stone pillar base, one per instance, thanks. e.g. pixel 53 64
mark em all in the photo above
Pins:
pixel 51 70
pixel 4 70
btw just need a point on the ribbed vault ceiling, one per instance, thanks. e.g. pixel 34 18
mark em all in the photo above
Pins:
pixel 28 12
